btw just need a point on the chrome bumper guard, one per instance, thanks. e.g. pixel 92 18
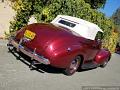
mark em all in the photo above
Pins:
pixel 33 55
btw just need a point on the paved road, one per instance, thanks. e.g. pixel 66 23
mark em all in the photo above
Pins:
pixel 16 75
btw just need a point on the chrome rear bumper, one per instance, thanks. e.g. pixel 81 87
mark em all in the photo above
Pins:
pixel 32 54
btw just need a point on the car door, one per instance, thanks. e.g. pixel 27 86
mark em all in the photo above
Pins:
pixel 93 46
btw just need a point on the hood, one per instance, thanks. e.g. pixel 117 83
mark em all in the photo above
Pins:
pixel 45 34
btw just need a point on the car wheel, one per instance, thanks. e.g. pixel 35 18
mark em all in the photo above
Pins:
pixel 105 63
pixel 73 66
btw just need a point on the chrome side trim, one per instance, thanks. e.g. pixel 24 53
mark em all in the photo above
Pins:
pixel 29 53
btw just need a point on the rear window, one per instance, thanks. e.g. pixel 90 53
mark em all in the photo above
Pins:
pixel 67 23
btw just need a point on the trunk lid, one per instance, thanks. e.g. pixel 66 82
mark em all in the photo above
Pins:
pixel 45 34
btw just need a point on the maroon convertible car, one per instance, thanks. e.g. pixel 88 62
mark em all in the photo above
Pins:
pixel 67 42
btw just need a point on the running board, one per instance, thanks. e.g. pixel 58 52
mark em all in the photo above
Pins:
pixel 89 65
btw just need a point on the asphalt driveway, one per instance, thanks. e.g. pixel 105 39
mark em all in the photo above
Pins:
pixel 16 75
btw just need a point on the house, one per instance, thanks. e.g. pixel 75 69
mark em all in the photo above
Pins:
pixel 6 15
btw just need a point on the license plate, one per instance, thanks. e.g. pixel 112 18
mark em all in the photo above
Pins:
pixel 29 34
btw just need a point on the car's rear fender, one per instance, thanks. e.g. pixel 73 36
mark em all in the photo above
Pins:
pixel 63 56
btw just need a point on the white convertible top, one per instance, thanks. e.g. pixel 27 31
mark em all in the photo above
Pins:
pixel 82 27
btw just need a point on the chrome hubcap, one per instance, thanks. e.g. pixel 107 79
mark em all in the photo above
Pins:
pixel 74 65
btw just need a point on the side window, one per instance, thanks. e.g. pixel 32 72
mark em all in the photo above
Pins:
pixel 99 36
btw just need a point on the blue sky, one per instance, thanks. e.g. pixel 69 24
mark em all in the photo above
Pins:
pixel 110 7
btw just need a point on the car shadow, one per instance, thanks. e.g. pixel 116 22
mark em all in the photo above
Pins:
pixel 38 67
pixel 41 67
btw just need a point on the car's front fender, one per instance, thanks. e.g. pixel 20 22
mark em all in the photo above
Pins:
pixel 102 55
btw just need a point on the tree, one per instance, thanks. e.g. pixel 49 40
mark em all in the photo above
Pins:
pixel 96 3
pixel 116 19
